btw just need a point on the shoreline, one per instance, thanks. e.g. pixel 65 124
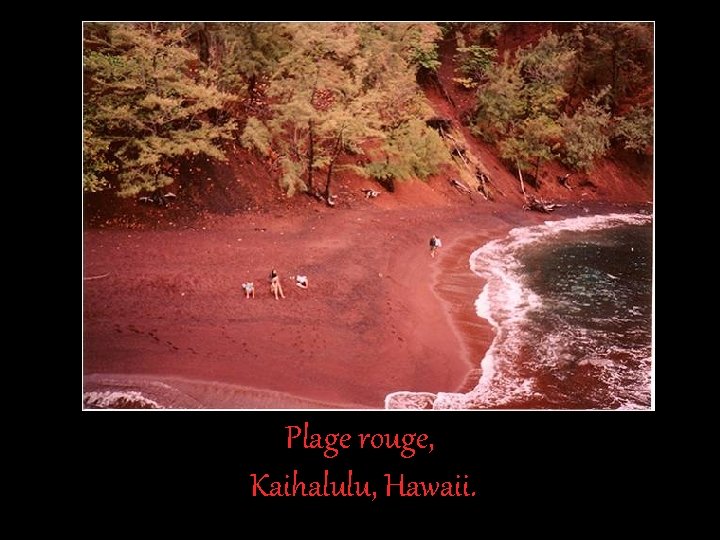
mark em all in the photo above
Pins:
pixel 479 332
pixel 380 317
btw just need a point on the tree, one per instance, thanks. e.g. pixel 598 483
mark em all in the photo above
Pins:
pixel 420 41
pixel 318 104
pixel 635 130
pixel 545 69
pixel 391 64
pixel 246 53
pixel 412 150
pixel 474 61
pixel 523 104
pixel 586 135
pixel 519 105
pixel 96 165
pixel 500 101
pixel 531 143
pixel 340 86
pixel 618 55
pixel 147 102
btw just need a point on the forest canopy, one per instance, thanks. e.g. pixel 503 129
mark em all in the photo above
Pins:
pixel 301 96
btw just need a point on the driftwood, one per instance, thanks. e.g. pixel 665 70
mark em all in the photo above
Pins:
pixel 522 184
pixel 158 199
pixel 484 185
pixel 457 184
pixel 329 200
pixel 101 276
pixel 457 149
pixel 564 181
pixel 316 194
pixel 538 205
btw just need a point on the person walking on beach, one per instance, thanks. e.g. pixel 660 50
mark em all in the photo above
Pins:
pixel 435 243
pixel 275 287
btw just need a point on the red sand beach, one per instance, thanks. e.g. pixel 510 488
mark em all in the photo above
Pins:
pixel 381 315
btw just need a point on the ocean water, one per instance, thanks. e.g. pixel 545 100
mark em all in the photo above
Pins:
pixel 571 305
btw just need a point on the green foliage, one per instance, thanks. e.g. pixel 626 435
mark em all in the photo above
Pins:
pixel 147 102
pixel 256 136
pixel 247 52
pixel 96 166
pixel 321 104
pixel 523 96
pixel 618 55
pixel 500 101
pixel 586 134
pixel 387 55
pixel 545 69
pixel 522 105
pixel 309 93
pixel 474 61
pixel 339 86
pixel 532 142
pixel 412 151
pixel 635 131
pixel 422 39
pixel 291 180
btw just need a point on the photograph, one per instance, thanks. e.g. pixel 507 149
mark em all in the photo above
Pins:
pixel 368 215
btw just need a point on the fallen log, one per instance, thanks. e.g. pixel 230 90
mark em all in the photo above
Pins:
pixel 460 186
pixel 522 184
pixel 538 205
pixel 100 276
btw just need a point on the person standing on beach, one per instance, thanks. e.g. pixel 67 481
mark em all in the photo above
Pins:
pixel 275 287
pixel 435 243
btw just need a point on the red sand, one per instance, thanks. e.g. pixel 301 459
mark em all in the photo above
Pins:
pixel 380 315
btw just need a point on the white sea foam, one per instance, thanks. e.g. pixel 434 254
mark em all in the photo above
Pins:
pixel 118 400
pixel 410 400
pixel 506 302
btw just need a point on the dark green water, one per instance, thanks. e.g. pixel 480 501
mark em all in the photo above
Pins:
pixel 572 305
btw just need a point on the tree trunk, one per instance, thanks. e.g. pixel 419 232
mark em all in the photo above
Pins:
pixel 522 184
pixel 251 85
pixel 537 172
pixel 204 44
pixel 311 155
pixel 329 177
pixel 333 159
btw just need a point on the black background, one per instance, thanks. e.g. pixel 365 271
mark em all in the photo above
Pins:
pixel 203 460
